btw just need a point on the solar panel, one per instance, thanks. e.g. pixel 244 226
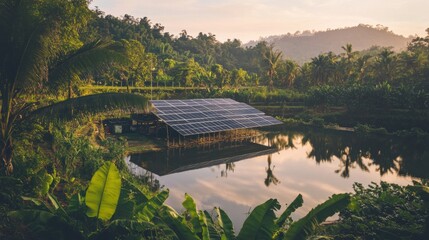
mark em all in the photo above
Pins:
pixel 198 116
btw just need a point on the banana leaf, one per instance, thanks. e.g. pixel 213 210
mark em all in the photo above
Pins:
pixel 261 222
pixel 148 210
pixel 225 224
pixel 174 221
pixel 192 215
pixel 214 233
pixel 103 192
pixel 297 203
pixel 303 227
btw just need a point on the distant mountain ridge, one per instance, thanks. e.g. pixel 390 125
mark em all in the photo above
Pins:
pixel 301 47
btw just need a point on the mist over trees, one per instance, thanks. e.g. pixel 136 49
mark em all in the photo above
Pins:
pixel 302 46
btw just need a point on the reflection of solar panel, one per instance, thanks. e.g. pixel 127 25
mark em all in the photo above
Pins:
pixel 198 116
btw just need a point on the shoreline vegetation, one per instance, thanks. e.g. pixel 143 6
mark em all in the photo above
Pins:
pixel 314 108
pixel 294 110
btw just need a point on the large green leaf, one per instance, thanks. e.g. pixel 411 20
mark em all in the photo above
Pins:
pixel 45 225
pixel 126 206
pixel 166 230
pixel 192 215
pixel 91 57
pixel 260 223
pixel 103 192
pixel 203 222
pixel 138 195
pixel 22 49
pixel 131 198
pixel 174 221
pixel 301 228
pixel 214 233
pixel 289 210
pixel 148 210
pixel 225 224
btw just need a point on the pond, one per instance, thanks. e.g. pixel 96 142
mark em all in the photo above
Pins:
pixel 281 164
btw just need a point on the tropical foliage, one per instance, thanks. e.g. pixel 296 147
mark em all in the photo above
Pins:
pixel 50 48
pixel 34 56
pixel 385 211
pixel 122 210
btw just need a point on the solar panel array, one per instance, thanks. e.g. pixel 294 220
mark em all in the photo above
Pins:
pixel 198 116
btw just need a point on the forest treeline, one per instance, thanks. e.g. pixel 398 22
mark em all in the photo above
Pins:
pixel 161 59
pixel 52 140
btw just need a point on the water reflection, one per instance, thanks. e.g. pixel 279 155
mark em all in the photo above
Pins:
pixel 229 167
pixel 404 156
pixel 145 176
pixel 270 175
pixel 179 160
pixel 283 164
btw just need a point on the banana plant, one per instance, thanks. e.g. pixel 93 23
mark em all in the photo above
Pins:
pixel 125 212
pixel 262 222
pixel 103 192
pixel 301 228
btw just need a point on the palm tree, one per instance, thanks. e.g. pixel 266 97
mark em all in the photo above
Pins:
pixel 238 78
pixel 270 175
pixel 345 65
pixel 80 62
pixel 273 59
pixel 29 59
pixel 348 51
pixel 323 67
pixel 361 67
pixel 385 65
pixel 292 71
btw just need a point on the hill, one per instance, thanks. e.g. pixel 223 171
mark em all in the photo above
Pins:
pixel 301 47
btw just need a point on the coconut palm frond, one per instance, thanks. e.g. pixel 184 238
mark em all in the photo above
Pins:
pixel 92 104
pixel 21 43
pixel 89 58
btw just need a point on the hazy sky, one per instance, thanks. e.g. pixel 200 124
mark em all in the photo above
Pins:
pixel 251 19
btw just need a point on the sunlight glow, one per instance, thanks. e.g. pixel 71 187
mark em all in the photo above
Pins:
pixel 250 20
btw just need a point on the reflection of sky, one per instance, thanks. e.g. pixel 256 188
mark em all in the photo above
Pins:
pixel 244 188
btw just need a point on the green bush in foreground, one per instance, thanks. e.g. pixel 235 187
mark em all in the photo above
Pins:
pixel 111 209
pixel 385 211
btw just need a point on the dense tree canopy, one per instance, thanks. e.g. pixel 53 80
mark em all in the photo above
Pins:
pixel 42 44
pixel 218 61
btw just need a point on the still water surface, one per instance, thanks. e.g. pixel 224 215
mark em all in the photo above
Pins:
pixel 316 164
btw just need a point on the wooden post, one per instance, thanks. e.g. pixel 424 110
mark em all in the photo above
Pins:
pixel 168 138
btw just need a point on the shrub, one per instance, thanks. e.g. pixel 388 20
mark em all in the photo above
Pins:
pixel 381 211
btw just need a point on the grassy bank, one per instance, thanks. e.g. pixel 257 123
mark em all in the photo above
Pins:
pixel 392 121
